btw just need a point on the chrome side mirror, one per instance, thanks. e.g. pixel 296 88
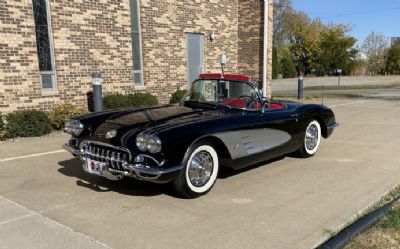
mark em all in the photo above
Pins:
pixel 265 104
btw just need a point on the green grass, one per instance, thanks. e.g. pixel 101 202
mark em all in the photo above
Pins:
pixel 384 234
pixel 353 87
pixel 392 220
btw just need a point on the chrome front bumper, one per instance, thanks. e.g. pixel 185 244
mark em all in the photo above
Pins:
pixel 136 170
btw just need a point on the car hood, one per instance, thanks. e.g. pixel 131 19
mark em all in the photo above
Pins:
pixel 151 118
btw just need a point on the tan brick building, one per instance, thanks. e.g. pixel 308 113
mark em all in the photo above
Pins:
pixel 49 48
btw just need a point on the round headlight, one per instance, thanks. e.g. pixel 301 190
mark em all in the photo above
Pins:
pixel 141 142
pixel 68 126
pixel 74 127
pixel 78 128
pixel 153 144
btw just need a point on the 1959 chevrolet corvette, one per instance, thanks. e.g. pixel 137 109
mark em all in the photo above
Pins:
pixel 222 121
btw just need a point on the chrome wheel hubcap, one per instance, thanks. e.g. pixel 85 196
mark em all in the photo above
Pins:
pixel 200 168
pixel 311 137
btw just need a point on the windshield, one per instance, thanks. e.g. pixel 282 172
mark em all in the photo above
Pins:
pixel 224 92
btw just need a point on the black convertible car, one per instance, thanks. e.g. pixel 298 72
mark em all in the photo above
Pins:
pixel 222 121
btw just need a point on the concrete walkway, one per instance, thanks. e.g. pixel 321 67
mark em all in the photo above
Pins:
pixel 46 201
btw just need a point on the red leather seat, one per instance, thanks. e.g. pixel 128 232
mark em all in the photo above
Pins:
pixel 276 106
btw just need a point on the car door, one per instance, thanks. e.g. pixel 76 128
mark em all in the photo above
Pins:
pixel 281 128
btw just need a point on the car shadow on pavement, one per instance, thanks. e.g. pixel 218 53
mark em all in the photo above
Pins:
pixel 127 186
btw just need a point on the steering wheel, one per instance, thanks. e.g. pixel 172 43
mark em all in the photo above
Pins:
pixel 250 100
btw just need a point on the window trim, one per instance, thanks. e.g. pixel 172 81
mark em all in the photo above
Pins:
pixel 139 32
pixel 54 89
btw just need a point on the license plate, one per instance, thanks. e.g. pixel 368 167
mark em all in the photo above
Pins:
pixel 94 167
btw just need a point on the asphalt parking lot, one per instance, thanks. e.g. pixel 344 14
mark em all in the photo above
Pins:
pixel 47 201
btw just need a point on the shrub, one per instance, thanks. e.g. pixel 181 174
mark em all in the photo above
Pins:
pixel 177 96
pixel 60 114
pixel 118 100
pixel 139 99
pixel 2 128
pixel 115 100
pixel 1 124
pixel 30 123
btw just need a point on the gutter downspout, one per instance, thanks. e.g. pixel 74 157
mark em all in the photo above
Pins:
pixel 266 84
pixel 267 91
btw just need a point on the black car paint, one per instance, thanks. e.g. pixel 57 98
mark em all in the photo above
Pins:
pixel 180 126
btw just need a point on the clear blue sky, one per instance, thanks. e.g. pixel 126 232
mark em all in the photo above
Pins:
pixel 380 16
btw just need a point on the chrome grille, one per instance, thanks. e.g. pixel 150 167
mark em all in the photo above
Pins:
pixel 113 157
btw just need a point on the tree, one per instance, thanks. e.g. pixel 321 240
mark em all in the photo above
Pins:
pixel 374 48
pixel 276 65
pixel 282 12
pixel 393 59
pixel 337 50
pixel 287 65
pixel 305 42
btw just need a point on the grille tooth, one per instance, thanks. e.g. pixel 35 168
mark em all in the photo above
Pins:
pixel 90 151
pixel 103 155
pixel 108 157
pixel 119 160
pixel 98 153
pixel 113 159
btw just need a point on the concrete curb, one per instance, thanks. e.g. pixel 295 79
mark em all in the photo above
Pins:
pixel 343 237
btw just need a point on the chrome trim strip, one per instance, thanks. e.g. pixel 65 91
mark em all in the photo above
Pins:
pixel 159 164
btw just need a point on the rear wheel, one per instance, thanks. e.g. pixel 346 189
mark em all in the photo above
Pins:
pixel 311 141
pixel 200 171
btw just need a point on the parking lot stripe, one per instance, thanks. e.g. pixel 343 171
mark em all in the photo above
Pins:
pixel 32 155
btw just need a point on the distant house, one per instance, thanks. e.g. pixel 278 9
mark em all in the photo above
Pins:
pixel 48 48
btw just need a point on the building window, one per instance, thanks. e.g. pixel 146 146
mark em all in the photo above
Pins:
pixel 136 43
pixel 44 45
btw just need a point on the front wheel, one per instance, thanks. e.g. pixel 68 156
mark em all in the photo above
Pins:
pixel 200 171
pixel 311 141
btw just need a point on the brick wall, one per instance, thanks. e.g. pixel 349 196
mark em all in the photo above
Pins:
pixel 164 24
pixel 19 78
pixel 95 35
pixel 251 43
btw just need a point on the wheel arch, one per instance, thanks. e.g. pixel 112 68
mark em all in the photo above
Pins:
pixel 220 146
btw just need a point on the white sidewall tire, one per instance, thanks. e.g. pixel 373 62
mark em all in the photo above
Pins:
pixel 214 173
pixel 313 151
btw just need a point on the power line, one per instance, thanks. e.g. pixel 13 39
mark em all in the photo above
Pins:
pixel 360 13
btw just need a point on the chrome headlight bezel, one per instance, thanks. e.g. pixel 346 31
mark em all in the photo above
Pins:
pixel 150 143
pixel 153 144
pixel 74 127
pixel 141 142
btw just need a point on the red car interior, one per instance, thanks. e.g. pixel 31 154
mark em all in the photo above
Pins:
pixel 241 103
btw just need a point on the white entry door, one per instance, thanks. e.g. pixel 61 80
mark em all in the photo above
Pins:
pixel 195 56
